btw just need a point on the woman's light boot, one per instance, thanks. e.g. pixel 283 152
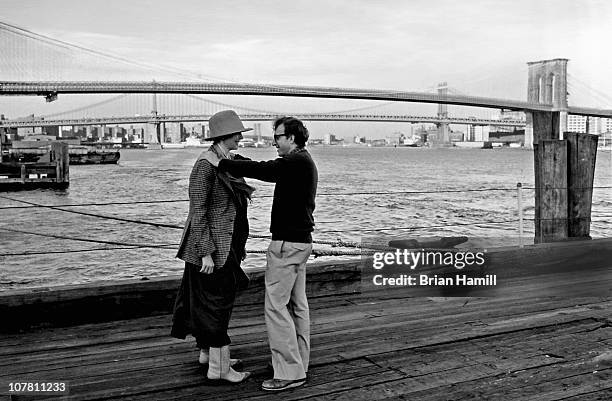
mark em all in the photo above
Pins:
pixel 219 366
pixel 203 359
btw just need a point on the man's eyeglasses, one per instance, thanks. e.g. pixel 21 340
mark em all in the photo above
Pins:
pixel 278 136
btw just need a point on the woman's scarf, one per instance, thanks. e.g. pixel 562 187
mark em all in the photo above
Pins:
pixel 239 185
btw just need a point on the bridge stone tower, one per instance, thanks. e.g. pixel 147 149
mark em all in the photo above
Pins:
pixel 443 128
pixel 547 83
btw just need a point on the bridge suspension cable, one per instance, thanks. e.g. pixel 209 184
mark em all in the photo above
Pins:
pixel 87 107
pixel 578 85
pixel 25 33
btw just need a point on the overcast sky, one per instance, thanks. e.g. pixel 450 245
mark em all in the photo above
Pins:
pixel 478 46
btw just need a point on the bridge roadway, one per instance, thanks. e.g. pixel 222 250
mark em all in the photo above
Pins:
pixel 40 122
pixel 51 89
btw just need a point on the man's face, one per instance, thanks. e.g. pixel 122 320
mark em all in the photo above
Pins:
pixel 283 144
pixel 231 143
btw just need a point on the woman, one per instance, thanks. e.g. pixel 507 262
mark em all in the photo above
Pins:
pixel 212 247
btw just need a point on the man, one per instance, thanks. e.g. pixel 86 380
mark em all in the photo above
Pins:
pixel 213 247
pixel 292 222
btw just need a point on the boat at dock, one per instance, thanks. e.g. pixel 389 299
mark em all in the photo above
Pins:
pixel 35 151
pixel 173 146
pixel 194 142
pixel 412 141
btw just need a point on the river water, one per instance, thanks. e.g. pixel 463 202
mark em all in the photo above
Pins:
pixel 484 208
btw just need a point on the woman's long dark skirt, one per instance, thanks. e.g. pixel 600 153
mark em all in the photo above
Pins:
pixel 204 304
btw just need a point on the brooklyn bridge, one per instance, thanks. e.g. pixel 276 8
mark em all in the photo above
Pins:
pixel 547 98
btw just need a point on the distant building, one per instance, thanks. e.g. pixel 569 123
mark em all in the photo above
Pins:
pixel 597 125
pixel 257 131
pixel 183 133
pixel 605 140
pixel 51 130
pixel 456 136
pixel 40 138
pixel 200 131
pixel 172 132
pixel 26 131
pixel 396 138
pixel 576 123
pixel 330 139
pixel 378 142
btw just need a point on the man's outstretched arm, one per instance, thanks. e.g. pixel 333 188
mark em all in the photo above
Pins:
pixel 268 171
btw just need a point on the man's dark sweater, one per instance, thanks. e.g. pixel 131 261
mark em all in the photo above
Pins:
pixel 296 177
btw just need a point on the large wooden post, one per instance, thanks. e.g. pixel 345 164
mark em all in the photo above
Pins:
pixel 551 191
pixel 23 173
pixel 581 172
pixel 61 157
pixel 550 167
pixel 2 136
pixel 564 174
pixel 545 125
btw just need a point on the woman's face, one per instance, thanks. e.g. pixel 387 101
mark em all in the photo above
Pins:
pixel 231 143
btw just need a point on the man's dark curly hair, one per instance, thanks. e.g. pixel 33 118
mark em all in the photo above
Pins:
pixel 295 128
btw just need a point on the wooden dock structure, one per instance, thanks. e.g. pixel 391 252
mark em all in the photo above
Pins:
pixel 51 171
pixel 546 335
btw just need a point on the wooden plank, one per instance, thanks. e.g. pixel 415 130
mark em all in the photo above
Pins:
pixel 469 383
pixel 604 394
pixel 330 322
pixel 314 386
pixel 582 153
pixel 327 347
pixel 187 378
pixel 551 382
pixel 77 347
pixel 510 352
pixel 318 387
pixel 189 382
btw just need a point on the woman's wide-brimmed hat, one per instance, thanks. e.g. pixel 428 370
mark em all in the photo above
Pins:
pixel 225 123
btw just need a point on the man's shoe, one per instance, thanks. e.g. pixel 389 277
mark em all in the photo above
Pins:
pixel 280 385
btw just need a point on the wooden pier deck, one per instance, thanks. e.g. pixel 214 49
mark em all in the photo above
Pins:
pixel 519 344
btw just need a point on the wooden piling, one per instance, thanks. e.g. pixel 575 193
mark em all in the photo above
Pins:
pixel 545 125
pixel 550 161
pixel 61 158
pixel 550 167
pixel 582 152
pixel 50 171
